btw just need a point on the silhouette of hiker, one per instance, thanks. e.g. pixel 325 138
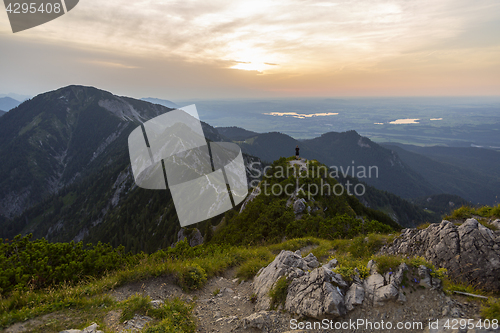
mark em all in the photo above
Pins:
pixel 297 152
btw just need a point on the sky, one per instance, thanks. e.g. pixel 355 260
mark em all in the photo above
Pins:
pixel 227 49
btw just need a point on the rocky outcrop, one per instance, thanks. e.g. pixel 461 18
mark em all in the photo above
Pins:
pixel 193 236
pixel 287 263
pixel 319 292
pixel 470 252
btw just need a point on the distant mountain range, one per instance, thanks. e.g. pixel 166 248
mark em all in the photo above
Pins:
pixel 2 113
pixel 413 173
pixel 7 103
pixel 67 175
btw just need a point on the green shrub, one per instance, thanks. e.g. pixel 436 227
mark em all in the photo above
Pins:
pixel 387 263
pixel 27 264
pixel 347 272
pixel 440 273
pixel 419 261
pixel 192 276
pixel 279 292
pixel 492 309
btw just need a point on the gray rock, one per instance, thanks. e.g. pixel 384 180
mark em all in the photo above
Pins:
pixel 371 267
pixel 194 238
pixel 401 297
pixel 157 304
pixel 372 283
pixel 427 279
pixel 380 289
pixel 287 263
pixel 385 293
pixel 225 291
pixel 317 295
pixel 496 223
pixel 470 252
pixel 137 323
pixel 257 320
pixel 299 206
pixel 90 329
pixel 354 296
pixel 331 264
pixel 311 261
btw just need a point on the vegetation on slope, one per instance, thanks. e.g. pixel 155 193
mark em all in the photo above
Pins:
pixel 269 217
pixel 39 277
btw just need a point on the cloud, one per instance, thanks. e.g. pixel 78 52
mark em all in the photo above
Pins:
pixel 338 43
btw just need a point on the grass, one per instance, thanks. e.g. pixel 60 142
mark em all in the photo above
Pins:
pixel 172 316
pixel 191 267
pixel 465 212
pixel 491 309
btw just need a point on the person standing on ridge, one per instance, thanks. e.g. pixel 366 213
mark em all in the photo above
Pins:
pixel 297 152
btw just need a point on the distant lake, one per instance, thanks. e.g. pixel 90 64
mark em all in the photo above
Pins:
pixel 405 121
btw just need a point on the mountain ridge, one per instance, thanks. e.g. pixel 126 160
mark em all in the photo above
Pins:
pixel 8 103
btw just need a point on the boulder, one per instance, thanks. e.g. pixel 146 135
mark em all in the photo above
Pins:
pixel 317 294
pixel 354 296
pixel 287 263
pixel 257 320
pixel 470 252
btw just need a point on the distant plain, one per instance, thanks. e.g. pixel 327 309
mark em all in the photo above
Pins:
pixel 423 121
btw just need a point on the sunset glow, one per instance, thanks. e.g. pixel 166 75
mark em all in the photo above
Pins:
pixel 281 48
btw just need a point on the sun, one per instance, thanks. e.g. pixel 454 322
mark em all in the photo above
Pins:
pixel 252 66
